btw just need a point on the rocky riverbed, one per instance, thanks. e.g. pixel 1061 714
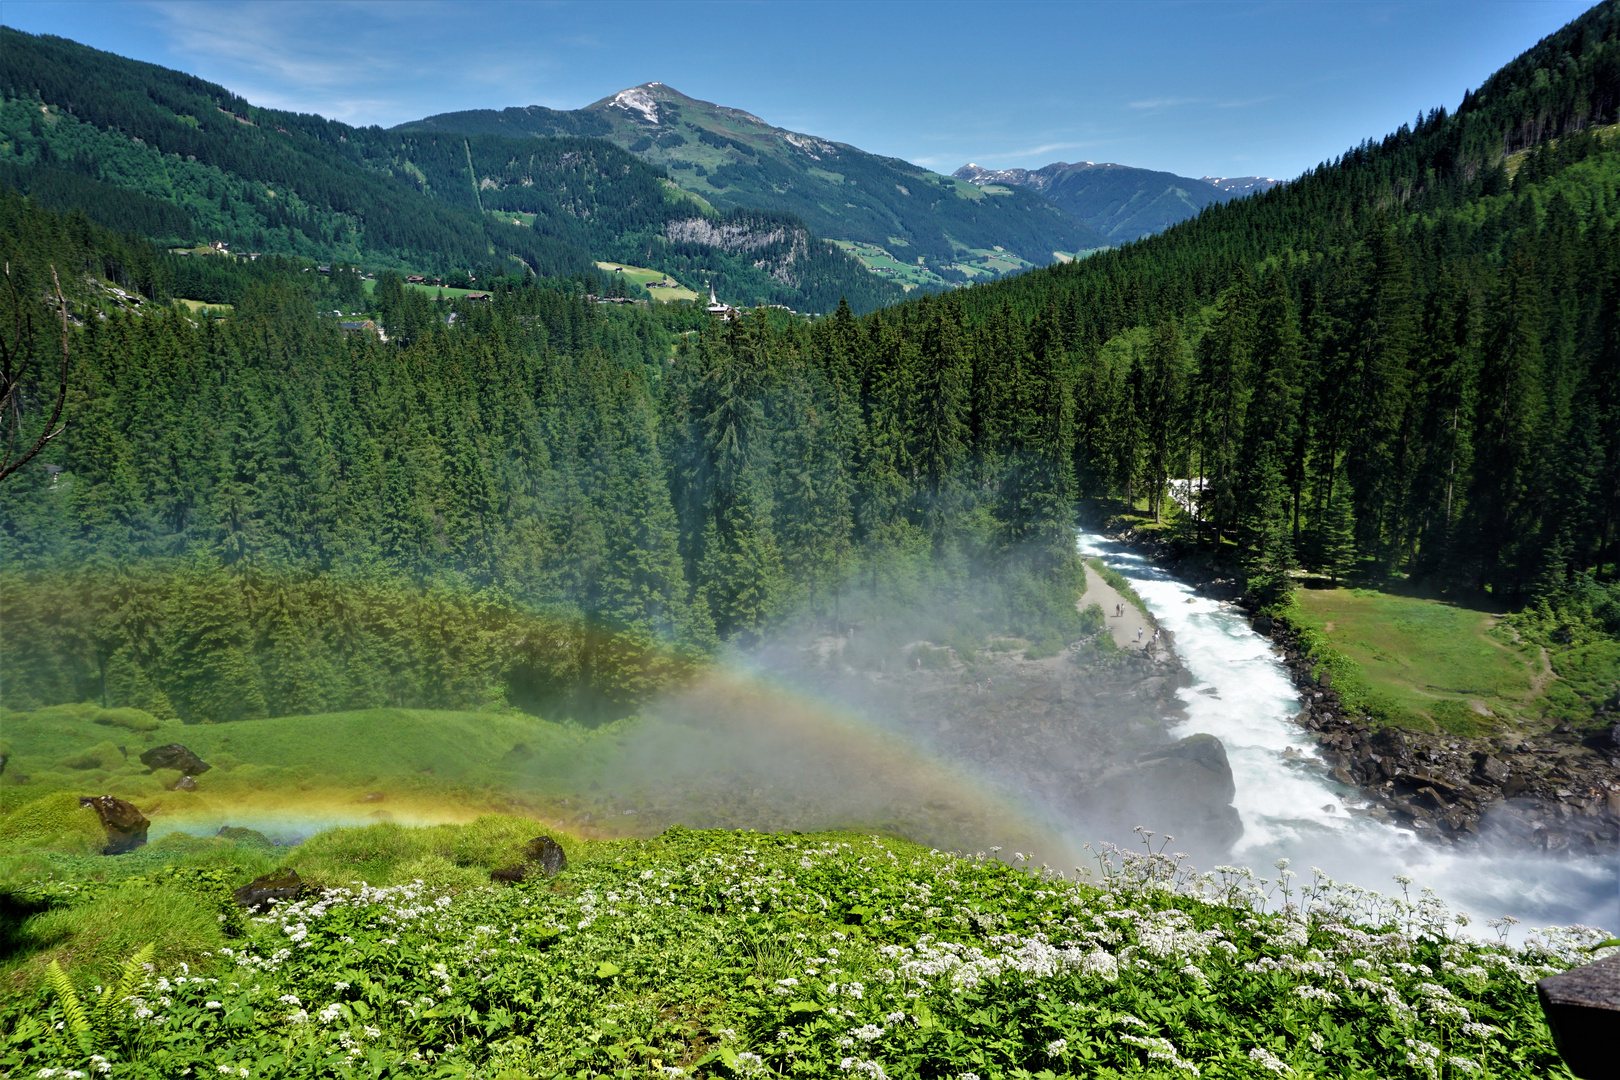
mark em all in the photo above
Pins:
pixel 1555 792
pixel 1081 737
pixel 1552 791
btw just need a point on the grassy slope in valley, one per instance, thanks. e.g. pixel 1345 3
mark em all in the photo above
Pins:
pixel 743 954
pixel 1452 664
pixel 735 159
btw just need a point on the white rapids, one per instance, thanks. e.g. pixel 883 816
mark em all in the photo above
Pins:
pixel 1291 808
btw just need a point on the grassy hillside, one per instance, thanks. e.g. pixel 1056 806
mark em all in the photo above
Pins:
pixel 134 134
pixel 745 954
pixel 1456 666
pixel 734 159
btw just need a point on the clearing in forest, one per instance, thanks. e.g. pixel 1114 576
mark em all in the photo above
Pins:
pixel 649 280
pixel 1427 656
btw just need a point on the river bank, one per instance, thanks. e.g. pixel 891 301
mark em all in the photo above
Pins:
pixel 1553 793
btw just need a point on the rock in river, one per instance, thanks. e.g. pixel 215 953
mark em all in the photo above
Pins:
pixel 126 826
pixel 1184 789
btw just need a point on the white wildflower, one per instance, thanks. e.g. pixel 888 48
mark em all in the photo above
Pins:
pixel 1316 993
pixel 1161 1050
pixel 1056 1047
pixel 1267 1060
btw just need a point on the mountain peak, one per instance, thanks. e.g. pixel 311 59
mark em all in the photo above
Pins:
pixel 641 99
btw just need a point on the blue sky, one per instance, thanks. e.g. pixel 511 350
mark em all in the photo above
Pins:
pixel 1214 87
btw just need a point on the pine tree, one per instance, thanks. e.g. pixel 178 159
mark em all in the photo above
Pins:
pixel 1334 535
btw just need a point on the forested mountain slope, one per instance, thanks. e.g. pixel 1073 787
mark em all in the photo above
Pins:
pixel 532 504
pixel 141 147
pixel 1121 202
pixel 735 159
pixel 1406 356
pixel 1405 363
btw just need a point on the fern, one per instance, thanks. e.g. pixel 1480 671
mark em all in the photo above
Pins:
pixel 130 979
pixel 67 1000
pixel 91 1033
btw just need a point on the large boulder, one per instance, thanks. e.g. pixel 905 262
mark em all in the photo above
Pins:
pixel 277 887
pixel 1491 770
pixel 542 856
pixel 126 826
pixel 1184 790
pixel 547 854
pixel 174 756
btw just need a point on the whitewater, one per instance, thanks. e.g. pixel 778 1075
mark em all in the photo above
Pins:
pixel 1292 808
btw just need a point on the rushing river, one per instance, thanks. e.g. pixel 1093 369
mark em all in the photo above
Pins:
pixel 1292 808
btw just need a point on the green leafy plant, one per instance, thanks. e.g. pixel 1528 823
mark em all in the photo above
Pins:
pixel 92 1030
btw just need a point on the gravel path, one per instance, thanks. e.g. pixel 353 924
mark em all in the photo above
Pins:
pixel 1104 595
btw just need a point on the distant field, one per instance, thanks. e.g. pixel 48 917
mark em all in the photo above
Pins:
pixel 204 307
pixel 432 290
pixel 976 263
pixel 908 275
pixel 1427 656
pixel 645 278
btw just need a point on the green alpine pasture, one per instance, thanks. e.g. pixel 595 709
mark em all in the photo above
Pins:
pixel 1449 663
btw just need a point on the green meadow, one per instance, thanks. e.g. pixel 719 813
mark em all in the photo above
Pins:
pixel 647 278
pixel 1450 664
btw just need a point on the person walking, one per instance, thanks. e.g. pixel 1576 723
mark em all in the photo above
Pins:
pixel 1139 635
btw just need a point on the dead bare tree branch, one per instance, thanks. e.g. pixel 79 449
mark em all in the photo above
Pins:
pixel 12 372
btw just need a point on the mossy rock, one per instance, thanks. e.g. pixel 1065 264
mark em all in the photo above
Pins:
pixel 57 822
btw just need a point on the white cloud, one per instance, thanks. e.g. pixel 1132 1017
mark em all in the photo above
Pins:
pixel 1163 103
pixel 358 62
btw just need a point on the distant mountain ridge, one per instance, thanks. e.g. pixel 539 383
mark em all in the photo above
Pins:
pixel 1122 202
pixel 1243 185
pixel 733 159
pixel 145 148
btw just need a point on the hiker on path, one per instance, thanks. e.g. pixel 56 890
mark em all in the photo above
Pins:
pixel 1139 635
